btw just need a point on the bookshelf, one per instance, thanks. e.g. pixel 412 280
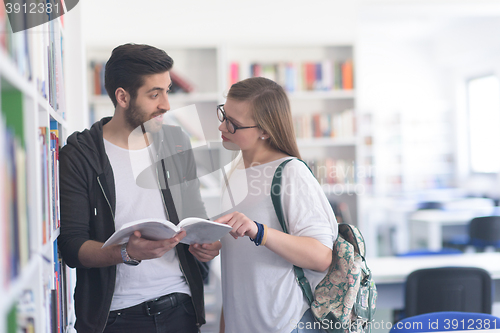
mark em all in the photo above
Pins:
pixel 319 80
pixel 36 285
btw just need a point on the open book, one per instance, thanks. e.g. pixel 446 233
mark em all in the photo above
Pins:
pixel 197 230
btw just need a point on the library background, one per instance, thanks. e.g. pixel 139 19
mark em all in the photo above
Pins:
pixel 396 108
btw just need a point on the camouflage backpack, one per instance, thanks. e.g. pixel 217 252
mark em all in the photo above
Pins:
pixel 344 301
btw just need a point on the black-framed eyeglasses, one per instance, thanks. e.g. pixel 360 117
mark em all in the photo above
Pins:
pixel 231 127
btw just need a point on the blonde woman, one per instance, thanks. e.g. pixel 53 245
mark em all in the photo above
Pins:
pixel 260 293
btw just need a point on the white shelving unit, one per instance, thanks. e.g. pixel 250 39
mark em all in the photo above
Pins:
pixel 32 95
pixel 210 72
pixel 308 100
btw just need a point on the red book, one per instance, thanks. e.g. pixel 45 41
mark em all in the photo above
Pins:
pixel 256 70
pixel 61 11
pixel 234 73
pixel 181 82
pixel 97 79
pixel 316 125
pixel 310 75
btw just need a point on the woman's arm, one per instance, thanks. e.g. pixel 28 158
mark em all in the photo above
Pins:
pixel 304 252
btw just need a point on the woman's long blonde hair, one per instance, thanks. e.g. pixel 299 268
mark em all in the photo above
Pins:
pixel 271 111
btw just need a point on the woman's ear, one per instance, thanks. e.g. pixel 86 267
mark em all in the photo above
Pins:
pixel 264 135
pixel 122 98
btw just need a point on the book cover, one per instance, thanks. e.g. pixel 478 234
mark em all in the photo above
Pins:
pixel 347 75
pixel 22 207
pixel 234 73
pixel 256 70
pixel 198 230
pixel 42 137
pixel 327 75
pixel 337 72
pixel 97 78
pixel 182 82
pixel 310 75
pixel 318 80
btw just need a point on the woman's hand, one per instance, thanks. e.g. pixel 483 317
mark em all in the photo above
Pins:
pixel 242 225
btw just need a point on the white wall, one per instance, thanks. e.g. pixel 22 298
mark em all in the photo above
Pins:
pixel 412 58
pixel 470 48
pixel 159 22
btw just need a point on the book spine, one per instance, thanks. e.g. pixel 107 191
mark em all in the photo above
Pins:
pixel 181 82
pixel 234 73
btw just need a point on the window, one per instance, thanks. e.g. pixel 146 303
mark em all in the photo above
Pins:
pixel 484 124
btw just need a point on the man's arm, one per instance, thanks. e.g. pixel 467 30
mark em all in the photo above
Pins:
pixel 92 254
pixel 75 205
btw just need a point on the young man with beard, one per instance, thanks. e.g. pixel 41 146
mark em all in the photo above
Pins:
pixel 143 285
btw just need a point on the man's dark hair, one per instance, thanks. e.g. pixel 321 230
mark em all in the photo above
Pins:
pixel 128 65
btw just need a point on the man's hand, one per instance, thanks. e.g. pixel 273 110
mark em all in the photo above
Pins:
pixel 142 249
pixel 205 252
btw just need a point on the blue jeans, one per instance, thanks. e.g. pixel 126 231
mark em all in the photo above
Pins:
pixel 307 324
pixel 180 318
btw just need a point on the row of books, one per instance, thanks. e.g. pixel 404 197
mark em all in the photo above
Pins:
pixel 334 171
pixel 23 315
pixel 179 83
pixel 48 141
pixel 15 45
pixel 37 55
pixel 14 230
pixel 306 76
pixel 325 125
pixel 60 295
pixel 37 290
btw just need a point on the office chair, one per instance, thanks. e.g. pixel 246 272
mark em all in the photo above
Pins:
pixel 466 289
pixel 429 205
pixel 485 232
pixel 427 252
pixel 447 321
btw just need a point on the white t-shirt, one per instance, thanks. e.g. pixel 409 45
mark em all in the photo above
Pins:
pixel 154 277
pixel 260 293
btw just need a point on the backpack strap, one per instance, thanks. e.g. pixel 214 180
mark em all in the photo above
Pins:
pixel 276 199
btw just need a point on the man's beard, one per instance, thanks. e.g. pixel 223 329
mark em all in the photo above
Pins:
pixel 135 116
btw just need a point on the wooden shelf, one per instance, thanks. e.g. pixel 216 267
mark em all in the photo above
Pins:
pixel 326 142
pixel 314 95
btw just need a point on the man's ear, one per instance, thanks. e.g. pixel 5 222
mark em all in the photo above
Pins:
pixel 122 98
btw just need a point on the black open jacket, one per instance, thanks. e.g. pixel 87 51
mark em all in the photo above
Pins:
pixel 88 202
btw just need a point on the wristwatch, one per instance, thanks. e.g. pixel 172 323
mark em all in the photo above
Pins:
pixel 126 258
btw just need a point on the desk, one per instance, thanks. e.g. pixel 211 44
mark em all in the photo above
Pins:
pixel 428 225
pixel 389 273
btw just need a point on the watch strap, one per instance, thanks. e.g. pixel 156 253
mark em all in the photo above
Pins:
pixel 127 259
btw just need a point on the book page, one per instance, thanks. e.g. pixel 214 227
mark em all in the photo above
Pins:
pixel 153 230
pixel 200 231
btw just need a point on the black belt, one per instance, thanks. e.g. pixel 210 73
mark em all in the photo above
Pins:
pixel 158 305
